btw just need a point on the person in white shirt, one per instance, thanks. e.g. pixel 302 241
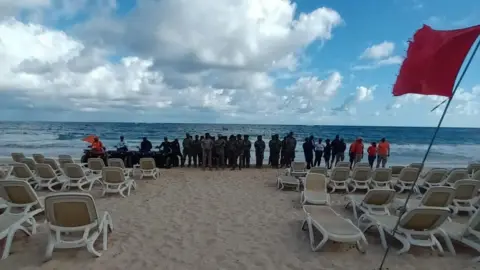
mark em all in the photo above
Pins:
pixel 318 153
pixel 122 145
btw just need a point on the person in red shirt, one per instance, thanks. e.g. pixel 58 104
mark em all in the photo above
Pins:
pixel 358 150
pixel 372 153
pixel 351 153
pixel 383 152
pixel 97 147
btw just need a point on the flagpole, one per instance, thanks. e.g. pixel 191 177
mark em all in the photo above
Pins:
pixel 404 208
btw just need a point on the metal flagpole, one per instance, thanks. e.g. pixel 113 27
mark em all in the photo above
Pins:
pixel 403 210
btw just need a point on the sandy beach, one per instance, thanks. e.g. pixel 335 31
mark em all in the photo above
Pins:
pixel 193 219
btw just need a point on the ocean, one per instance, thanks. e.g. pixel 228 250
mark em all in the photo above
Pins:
pixel 453 147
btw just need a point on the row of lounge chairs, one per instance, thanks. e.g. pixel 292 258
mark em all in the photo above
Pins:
pixel 423 220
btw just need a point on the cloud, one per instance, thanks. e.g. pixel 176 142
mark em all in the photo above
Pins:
pixel 195 57
pixel 361 94
pixel 379 55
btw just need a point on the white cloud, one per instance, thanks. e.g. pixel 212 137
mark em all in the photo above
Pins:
pixel 191 56
pixel 378 51
pixel 379 55
pixel 361 94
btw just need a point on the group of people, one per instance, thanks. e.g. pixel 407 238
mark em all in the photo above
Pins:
pixel 234 151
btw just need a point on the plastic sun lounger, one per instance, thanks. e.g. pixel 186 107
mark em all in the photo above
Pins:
pixel 360 178
pixel 114 181
pixel 76 214
pixel 417 227
pixel 77 178
pixel 434 197
pixel 284 181
pixel 315 190
pixel 332 226
pixel 149 168
pixel 375 202
pixel 381 178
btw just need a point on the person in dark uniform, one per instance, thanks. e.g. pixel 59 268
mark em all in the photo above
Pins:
pixel 259 151
pixel 282 151
pixel 290 146
pixel 187 149
pixel 308 152
pixel 176 153
pixel 145 145
pixel 327 153
pixel 220 144
pixel 247 146
pixel 196 151
pixel 239 151
pixel 275 146
pixel 231 150
pixel 335 148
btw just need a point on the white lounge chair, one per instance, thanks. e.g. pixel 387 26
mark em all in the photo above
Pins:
pixel 30 164
pixel 19 196
pixel 440 197
pixel 465 197
pixel 297 169
pixel 396 170
pixel 17 157
pixel 96 165
pixel 47 178
pixel 342 164
pixel 75 214
pixel 287 181
pixel 416 227
pixel 320 170
pixel 114 181
pixel 118 162
pixel 332 226
pixel 67 159
pixel 467 234
pixel 472 168
pixel 456 174
pixel 406 179
pixel 361 165
pixel 56 168
pixel 339 179
pixel 381 178
pixel 315 190
pixel 360 178
pixel 77 178
pixel 149 168
pixel 433 178
pixel 375 202
pixel 21 172
pixel 39 158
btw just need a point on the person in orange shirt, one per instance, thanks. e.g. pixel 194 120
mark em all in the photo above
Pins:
pixel 97 147
pixel 383 152
pixel 358 150
pixel 372 153
pixel 351 153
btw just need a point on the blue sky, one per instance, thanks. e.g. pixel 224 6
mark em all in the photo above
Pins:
pixel 270 61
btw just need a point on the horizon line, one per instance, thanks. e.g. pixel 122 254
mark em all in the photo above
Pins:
pixel 191 123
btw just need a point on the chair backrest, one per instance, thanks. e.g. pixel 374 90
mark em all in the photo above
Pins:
pixel 361 173
pixel 64 159
pixel 423 219
pixel 45 171
pixel 69 210
pixel 298 166
pixel 116 162
pixel 466 189
pixel 457 174
pixel 19 192
pixel 473 167
pixel 396 170
pixel 96 164
pixel 379 197
pixel 320 170
pixel 409 174
pixel 340 174
pixel 74 171
pixel 30 163
pixel 473 223
pixel 382 175
pixel 436 175
pixel 17 157
pixel 52 163
pixel 415 165
pixel 21 170
pixel 316 182
pixel 438 197
pixel 343 164
pixel 113 175
pixel 476 175
pixel 39 158
pixel 147 164
pixel 362 165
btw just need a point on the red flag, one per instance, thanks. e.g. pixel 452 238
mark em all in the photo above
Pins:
pixel 433 60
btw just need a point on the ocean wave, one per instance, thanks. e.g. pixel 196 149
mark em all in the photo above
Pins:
pixel 32 146
pixel 68 136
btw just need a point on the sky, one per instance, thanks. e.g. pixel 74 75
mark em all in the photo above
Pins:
pixel 330 62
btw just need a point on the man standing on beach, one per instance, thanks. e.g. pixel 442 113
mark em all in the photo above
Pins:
pixel 231 144
pixel 259 151
pixel 220 151
pixel 187 149
pixel 247 146
pixel 383 152
pixel 239 151
pixel 275 146
pixel 196 151
pixel 207 146
pixel 340 156
pixel 290 146
pixel 335 148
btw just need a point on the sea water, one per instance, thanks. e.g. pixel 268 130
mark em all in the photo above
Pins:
pixel 453 147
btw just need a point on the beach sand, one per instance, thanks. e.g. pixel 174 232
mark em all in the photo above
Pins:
pixel 193 219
